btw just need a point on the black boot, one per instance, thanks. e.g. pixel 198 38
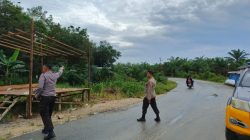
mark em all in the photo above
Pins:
pixel 50 136
pixel 44 131
pixel 157 119
pixel 142 119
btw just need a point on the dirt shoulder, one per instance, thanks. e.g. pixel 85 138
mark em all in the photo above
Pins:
pixel 22 126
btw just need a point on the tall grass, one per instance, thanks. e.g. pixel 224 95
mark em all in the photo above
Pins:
pixel 130 88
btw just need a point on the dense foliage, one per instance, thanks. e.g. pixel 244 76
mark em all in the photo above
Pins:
pixel 10 67
pixel 213 69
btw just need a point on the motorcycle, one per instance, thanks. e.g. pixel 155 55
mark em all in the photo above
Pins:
pixel 190 83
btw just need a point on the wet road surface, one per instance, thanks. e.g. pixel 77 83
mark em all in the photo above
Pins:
pixel 187 114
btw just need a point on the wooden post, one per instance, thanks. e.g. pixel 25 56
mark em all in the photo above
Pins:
pixel 88 94
pixel 59 104
pixel 89 65
pixel 41 49
pixel 29 99
pixel 83 94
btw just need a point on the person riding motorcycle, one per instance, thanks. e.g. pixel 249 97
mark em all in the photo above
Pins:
pixel 190 82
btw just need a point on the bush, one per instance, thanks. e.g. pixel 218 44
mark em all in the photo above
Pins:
pixel 102 74
pixel 181 74
pixel 160 77
pixel 130 87
pixel 97 88
pixel 74 78
pixel 210 77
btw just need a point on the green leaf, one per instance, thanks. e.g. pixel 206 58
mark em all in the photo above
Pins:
pixel 14 56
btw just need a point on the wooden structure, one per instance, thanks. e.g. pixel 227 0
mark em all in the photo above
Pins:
pixel 38 44
pixel 13 92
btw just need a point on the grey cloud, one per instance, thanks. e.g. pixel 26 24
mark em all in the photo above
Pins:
pixel 144 30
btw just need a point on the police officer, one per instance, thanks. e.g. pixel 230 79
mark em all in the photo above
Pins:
pixel 47 85
pixel 149 98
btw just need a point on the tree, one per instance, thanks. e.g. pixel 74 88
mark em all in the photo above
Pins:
pixel 238 55
pixel 10 65
pixel 11 17
pixel 104 55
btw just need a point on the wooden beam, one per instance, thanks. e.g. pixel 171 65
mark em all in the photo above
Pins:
pixel 8 109
pixel 63 49
pixel 70 47
pixel 50 49
pixel 21 46
pixel 37 50
pixel 50 38
pixel 15 39
pixel 56 50
pixel 74 51
pixel 55 53
pixel 17 47
pixel 23 32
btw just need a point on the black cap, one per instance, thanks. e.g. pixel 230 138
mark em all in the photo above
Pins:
pixel 151 72
pixel 48 66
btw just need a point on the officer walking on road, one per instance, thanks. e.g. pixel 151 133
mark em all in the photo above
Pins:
pixel 46 89
pixel 149 98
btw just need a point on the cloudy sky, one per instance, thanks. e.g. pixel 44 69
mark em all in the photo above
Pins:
pixel 146 30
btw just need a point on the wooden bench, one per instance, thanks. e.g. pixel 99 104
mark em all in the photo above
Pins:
pixel 23 90
pixel 16 87
pixel 61 93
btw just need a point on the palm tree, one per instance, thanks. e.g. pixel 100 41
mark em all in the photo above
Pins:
pixel 11 65
pixel 238 55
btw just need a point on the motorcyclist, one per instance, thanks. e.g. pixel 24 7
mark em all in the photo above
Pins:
pixel 188 80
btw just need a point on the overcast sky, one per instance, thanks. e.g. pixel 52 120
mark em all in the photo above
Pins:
pixel 146 30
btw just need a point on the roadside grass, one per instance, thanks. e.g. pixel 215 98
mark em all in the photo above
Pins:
pixel 213 78
pixel 162 88
pixel 206 76
pixel 130 89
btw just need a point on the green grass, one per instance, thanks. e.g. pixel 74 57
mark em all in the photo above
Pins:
pixel 162 88
pixel 130 88
pixel 208 76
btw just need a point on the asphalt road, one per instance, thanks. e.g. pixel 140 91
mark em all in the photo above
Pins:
pixel 187 114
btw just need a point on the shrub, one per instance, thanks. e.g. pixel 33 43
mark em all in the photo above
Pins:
pixel 132 89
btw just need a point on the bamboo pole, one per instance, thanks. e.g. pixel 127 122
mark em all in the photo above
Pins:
pixel 70 48
pixel 29 109
pixel 50 52
pixel 89 69
pixel 42 62
pixel 22 50
pixel 18 46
